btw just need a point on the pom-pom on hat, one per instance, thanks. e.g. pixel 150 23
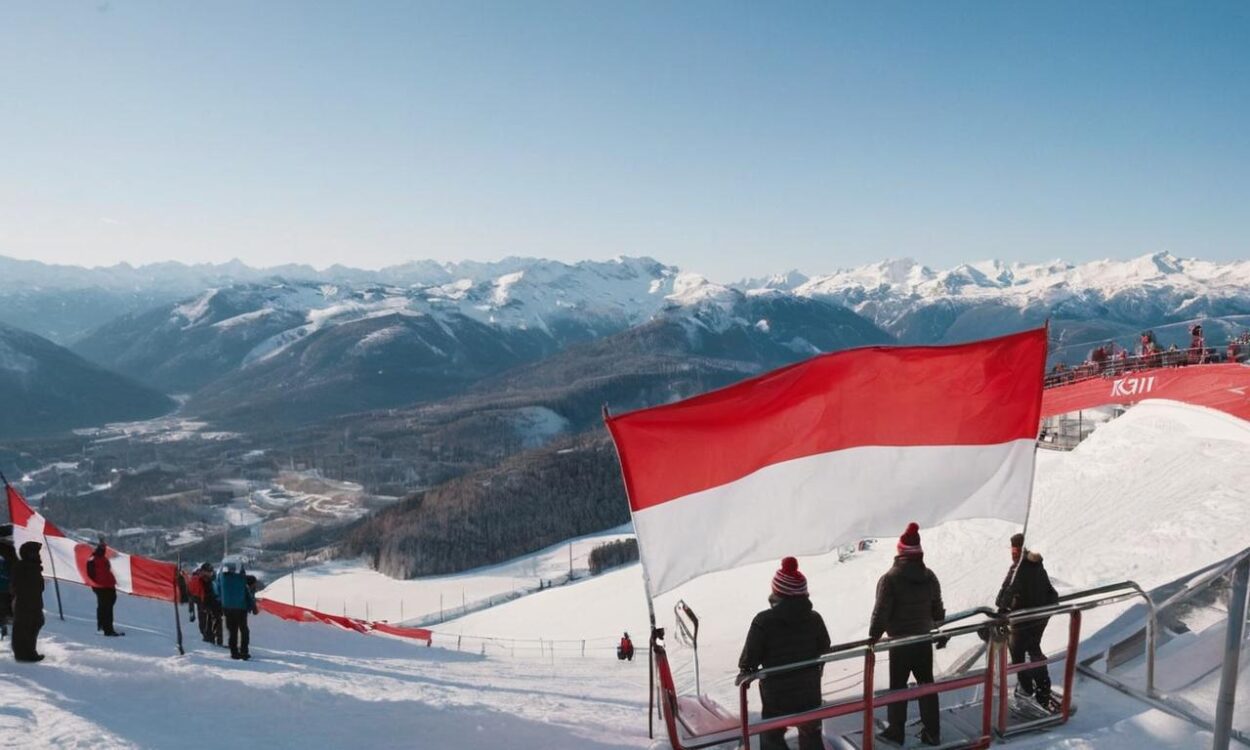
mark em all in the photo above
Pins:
pixel 909 542
pixel 788 581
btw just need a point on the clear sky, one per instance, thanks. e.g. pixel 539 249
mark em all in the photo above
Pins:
pixel 730 138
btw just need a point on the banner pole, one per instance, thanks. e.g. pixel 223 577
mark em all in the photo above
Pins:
pixel 646 585
pixel 177 615
pixel 56 583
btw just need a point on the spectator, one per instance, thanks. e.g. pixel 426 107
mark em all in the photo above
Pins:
pixel 909 602
pixel 104 584
pixel 789 631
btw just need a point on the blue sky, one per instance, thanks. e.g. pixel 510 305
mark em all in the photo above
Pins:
pixel 730 138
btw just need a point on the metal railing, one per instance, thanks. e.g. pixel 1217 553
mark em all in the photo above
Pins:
pixel 1115 365
pixel 996 626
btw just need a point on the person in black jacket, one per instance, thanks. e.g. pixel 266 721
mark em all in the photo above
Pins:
pixel 26 583
pixel 789 631
pixel 1026 586
pixel 909 602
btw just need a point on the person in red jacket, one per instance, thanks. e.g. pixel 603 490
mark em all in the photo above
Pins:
pixel 625 651
pixel 102 581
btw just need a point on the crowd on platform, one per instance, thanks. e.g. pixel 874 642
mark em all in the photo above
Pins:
pixel 1108 360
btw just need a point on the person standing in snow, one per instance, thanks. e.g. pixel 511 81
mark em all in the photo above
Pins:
pixel 909 602
pixel 789 631
pixel 1026 586
pixel 210 606
pixel 625 651
pixel 104 584
pixel 26 584
pixel 236 602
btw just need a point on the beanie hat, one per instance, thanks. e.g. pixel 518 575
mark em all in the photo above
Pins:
pixel 909 542
pixel 788 581
pixel 1017 541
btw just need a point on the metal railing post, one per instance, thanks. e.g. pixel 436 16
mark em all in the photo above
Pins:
pixel 987 700
pixel 1002 685
pixel 1069 667
pixel 870 663
pixel 1232 654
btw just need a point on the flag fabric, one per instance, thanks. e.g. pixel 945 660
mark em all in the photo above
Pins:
pixel 835 449
pixel 66 558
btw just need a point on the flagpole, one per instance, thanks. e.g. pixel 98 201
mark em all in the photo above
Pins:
pixel 1028 510
pixel 646 586
pixel 51 559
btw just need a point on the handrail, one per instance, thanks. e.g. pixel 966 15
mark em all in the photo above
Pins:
pixel 1072 604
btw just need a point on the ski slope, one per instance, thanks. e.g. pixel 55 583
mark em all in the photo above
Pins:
pixel 351 588
pixel 1155 494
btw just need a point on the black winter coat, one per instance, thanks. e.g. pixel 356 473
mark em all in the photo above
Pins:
pixel 1026 586
pixel 25 584
pixel 790 631
pixel 909 600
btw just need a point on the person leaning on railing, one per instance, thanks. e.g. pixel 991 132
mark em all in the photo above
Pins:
pixel 1026 586
pixel 909 602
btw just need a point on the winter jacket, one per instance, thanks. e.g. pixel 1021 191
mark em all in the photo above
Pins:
pixel 1026 586
pixel 4 576
pixel 100 571
pixel 233 593
pixel 25 582
pixel 909 600
pixel 195 586
pixel 790 631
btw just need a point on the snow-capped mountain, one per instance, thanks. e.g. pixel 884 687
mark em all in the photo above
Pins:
pixel 49 389
pixel 1091 301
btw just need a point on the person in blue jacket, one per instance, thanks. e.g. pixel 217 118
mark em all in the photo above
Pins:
pixel 237 601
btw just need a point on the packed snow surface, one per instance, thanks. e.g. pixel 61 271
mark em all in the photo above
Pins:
pixel 1151 496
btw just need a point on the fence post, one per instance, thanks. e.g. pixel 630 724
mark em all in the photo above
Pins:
pixel 870 663
pixel 583 647
pixel 1232 652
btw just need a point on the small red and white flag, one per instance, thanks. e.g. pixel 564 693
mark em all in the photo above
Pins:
pixel 66 558
pixel 835 449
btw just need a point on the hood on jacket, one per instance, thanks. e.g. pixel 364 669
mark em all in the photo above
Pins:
pixel 791 608
pixel 911 567
pixel 1033 557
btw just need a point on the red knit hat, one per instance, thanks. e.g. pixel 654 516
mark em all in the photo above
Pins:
pixel 788 581
pixel 909 542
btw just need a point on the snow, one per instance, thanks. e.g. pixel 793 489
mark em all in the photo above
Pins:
pixel 244 319
pixel 350 586
pixel 538 424
pixel 1152 495
pixel 194 311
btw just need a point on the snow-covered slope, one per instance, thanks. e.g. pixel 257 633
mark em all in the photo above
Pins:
pixel 352 588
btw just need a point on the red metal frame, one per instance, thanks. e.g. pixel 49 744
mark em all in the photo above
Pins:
pixel 996 666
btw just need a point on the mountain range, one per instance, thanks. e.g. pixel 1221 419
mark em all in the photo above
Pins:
pixel 295 344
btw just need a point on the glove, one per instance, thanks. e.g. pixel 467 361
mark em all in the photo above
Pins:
pixel 255 610
pixel 743 676
pixel 941 641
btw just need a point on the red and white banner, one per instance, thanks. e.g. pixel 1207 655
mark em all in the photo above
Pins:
pixel 303 614
pixel 1225 387
pixel 834 449
pixel 66 558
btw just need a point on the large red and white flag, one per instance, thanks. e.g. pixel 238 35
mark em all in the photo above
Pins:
pixel 66 558
pixel 831 450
